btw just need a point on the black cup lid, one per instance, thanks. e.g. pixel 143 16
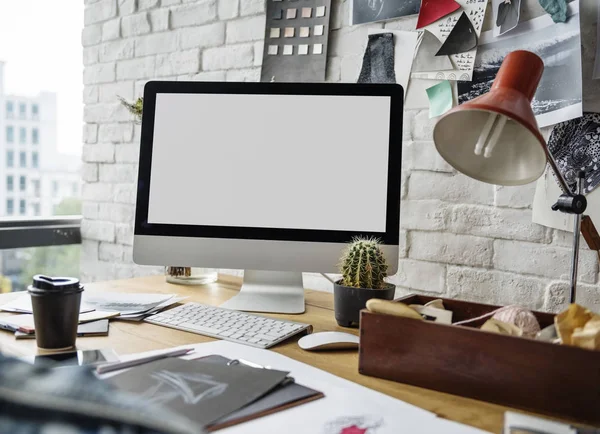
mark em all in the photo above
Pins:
pixel 47 283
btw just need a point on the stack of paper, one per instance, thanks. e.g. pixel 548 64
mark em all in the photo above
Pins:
pixel 347 407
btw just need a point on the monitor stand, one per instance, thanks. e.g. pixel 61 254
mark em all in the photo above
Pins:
pixel 269 291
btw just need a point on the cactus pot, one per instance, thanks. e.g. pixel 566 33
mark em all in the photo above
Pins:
pixel 349 301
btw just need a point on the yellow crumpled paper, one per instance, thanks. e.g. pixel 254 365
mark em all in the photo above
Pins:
pixel 579 327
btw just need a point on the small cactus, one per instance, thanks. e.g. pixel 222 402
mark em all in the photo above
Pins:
pixel 134 108
pixel 363 264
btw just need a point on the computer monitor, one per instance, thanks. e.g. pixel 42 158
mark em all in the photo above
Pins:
pixel 272 178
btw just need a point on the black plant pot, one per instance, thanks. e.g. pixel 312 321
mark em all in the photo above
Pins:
pixel 349 301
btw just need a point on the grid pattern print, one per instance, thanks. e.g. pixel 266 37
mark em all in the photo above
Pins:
pixel 296 40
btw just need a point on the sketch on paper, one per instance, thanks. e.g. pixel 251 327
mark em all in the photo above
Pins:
pixel 456 33
pixel 353 425
pixel 559 94
pixel 191 388
pixel 367 11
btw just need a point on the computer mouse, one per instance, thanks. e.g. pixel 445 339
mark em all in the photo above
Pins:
pixel 328 341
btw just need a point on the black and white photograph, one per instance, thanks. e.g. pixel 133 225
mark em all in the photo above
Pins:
pixel 506 15
pixel 368 11
pixel 558 97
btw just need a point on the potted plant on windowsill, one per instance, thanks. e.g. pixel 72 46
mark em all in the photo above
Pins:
pixel 363 269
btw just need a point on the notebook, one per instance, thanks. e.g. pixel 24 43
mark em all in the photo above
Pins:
pixel 94 328
pixel 281 398
pixel 204 392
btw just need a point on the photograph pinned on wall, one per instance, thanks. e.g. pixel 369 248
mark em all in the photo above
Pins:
pixel 454 38
pixel 399 46
pixel 296 37
pixel 368 11
pixel 505 15
pixel 557 98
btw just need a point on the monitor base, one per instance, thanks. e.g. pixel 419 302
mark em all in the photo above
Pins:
pixel 269 291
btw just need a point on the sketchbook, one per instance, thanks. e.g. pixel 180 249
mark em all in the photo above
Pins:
pixel 204 392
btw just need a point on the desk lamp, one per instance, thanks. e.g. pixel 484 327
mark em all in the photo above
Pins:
pixel 494 138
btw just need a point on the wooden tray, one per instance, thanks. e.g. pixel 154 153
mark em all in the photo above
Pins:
pixel 557 380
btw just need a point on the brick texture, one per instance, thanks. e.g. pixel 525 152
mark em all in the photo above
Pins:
pixel 459 237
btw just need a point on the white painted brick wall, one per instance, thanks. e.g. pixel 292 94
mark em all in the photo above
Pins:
pixel 459 237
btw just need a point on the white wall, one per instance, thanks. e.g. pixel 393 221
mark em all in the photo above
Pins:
pixel 460 238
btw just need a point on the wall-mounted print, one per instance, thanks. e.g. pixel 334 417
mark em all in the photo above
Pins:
pixel 575 146
pixel 458 34
pixel 367 11
pixel 559 94
pixel 505 15
pixel 296 37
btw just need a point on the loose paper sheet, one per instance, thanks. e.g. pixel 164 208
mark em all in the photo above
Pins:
pixel 558 97
pixel 22 304
pixel 505 14
pixel 346 404
pixel 433 10
pixel 547 192
pixel 440 99
pixel 462 63
pixel 405 44
pixel 125 303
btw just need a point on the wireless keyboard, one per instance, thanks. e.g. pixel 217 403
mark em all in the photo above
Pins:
pixel 231 325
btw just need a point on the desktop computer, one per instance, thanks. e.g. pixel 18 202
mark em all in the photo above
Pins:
pixel 272 178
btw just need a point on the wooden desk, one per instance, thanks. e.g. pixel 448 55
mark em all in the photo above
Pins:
pixel 130 337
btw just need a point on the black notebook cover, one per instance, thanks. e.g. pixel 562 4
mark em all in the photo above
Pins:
pixel 283 397
pixel 202 391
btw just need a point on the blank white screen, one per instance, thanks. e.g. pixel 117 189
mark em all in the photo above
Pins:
pixel 270 161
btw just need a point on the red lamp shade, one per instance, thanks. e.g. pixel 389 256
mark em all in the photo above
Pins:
pixel 494 138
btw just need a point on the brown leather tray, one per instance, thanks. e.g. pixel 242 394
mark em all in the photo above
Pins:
pixel 542 377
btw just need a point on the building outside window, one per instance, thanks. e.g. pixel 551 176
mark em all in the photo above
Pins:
pixel 36 209
pixel 22 135
pixel 22 110
pixel 35 111
pixel 22 207
pixel 74 189
pixel 22 183
pixel 10 206
pixel 35 135
pixel 10 159
pixel 10 134
pixel 10 109
pixel 10 183
pixel 22 159
pixel 34 160
pixel 36 187
pixel 55 187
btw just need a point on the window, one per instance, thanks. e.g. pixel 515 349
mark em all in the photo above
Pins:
pixel 36 187
pixel 22 183
pixel 36 209
pixel 10 109
pixel 74 189
pixel 10 206
pixel 55 187
pixel 10 183
pixel 10 134
pixel 35 139
pixel 34 160
pixel 22 207
pixel 22 135
pixel 35 111
pixel 10 159
pixel 22 159
pixel 22 110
